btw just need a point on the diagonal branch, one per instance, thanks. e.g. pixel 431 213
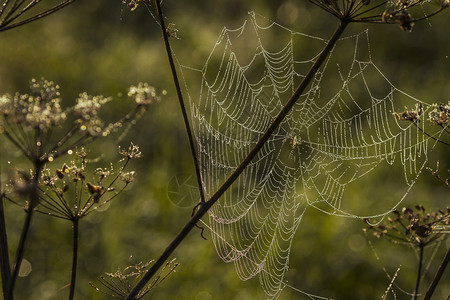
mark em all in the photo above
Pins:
pixel 438 276
pixel 207 205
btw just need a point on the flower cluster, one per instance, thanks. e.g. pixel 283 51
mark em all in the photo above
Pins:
pixel 119 284
pixel 68 193
pixel 132 152
pixel 410 115
pixel 87 109
pixel 413 226
pixel 382 11
pixel 38 109
pixel 28 120
pixel 133 4
pixel 143 94
pixel 440 114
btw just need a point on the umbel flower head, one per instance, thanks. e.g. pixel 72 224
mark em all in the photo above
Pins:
pixel 143 94
pixel 70 192
pixel 39 109
pixel 402 12
pixel 414 226
pixel 119 284
pixel 29 120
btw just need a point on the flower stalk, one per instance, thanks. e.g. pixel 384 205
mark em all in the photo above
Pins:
pixel 74 257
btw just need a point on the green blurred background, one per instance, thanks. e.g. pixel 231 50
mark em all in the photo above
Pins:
pixel 102 48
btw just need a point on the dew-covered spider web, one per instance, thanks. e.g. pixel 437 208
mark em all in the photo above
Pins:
pixel 342 128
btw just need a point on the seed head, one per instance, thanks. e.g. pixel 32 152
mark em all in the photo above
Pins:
pixel 143 94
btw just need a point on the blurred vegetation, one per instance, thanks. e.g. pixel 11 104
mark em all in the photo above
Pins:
pixel 100 47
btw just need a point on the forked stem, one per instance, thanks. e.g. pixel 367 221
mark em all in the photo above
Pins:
pixel 208 204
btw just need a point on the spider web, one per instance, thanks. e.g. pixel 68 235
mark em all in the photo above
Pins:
pixel 342 128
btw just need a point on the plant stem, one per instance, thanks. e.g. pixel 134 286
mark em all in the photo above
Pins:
pixel 180 100
pixel 74 258
pixel 207 205
pixel 419 271
pixel 19 254
pixel 438 276
pixel 34 201
pixel 4 256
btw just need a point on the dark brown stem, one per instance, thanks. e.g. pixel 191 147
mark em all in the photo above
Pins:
pixel 180 100
pixel 4 256
pixel 19 254
pixel 74 258
pixel 34 200
pixel 438 276
pixel 207 205
pixel 430 136
pixel 419 271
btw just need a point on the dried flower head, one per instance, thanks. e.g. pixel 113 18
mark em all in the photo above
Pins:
pixel 410 115
pixel 143 94
pixel 414 226
pixel 383 11
pixel 38 109
pixel 28 120
pixel 120 283
pixel 70 192
pixel 133 4
pixel 440 114
pixel 172 31
pixel 132 152
pixel 88 106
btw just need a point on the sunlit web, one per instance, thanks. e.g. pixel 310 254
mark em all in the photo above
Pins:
pixel 341 129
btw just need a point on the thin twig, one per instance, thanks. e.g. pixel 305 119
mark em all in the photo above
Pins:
pixel 207 205
pixel 181 101
pixel 429 135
